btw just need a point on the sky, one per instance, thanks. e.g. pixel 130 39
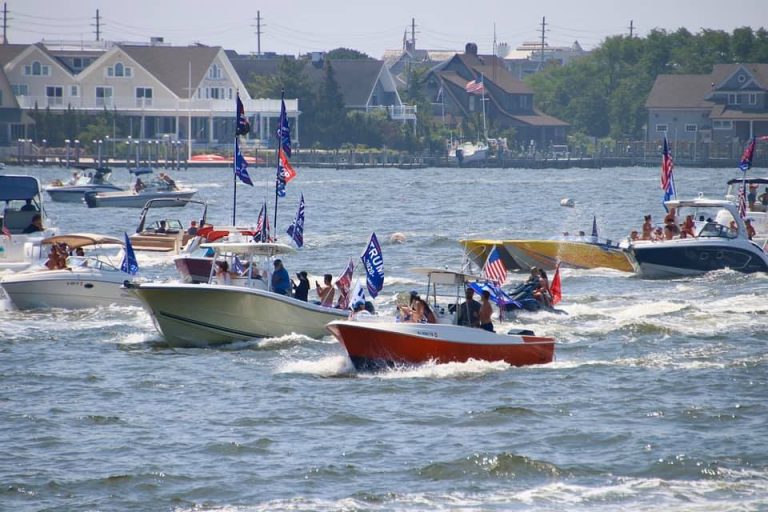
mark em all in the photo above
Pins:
pixel 301 26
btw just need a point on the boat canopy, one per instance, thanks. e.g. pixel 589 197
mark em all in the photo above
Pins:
pixel 18 187
pixel 140 170
pixel 701 202
pixel 749 181
pixel 75 240
pixel 251 248
pixel 445 276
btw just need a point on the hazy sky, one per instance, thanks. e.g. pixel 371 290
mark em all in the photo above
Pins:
pixel 298 26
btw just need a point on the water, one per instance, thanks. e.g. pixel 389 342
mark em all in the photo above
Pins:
pixel 656 400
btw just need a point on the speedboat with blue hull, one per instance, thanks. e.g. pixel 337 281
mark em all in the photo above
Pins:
pixel 720 241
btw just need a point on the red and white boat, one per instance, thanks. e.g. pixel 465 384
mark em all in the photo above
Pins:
pixel 376 345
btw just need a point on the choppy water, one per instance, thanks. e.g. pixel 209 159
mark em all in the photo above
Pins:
pixel 656 400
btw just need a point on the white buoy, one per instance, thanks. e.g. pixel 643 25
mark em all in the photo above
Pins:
pixel 567 202
pixel 397 238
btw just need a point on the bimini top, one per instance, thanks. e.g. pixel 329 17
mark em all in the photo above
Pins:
pixel 75 240
pixel 444 276
pixel 251 248
pixel 749 181
pixel 701 202
pixel 18 187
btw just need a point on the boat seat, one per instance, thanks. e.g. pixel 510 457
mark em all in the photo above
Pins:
pixel 16 220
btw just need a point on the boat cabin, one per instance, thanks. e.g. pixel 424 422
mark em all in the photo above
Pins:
pixel 21 200
pixel 248 264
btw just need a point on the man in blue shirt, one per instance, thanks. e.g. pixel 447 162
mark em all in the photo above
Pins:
pixel 281 281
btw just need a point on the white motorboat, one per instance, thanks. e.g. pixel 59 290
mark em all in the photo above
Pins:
pixel 158 233
pixel 88 179
pixel 22 200
pixel 87 281
pixel 195 315
pixel 159 187
pixel 469 152
pixel 720 241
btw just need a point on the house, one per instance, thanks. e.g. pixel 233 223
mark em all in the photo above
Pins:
pixel 730 104
pixel 161 90
pixel 508 101
pixel 531 57
pixel 400 62
pixel 365 84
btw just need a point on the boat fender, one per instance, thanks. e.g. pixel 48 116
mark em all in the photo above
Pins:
pixel 521 332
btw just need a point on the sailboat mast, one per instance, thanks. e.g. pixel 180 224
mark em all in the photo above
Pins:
pixel 485 129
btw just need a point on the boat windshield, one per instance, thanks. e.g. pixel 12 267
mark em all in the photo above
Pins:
pixel 710 222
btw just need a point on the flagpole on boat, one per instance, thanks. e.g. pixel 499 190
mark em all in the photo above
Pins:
pixel 234 181
pixel 277 159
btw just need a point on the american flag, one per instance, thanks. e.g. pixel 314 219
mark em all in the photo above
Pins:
pixel 667 179
pixel 262 226
pixel 475 87
pixel 6 232
pixel 344 282
pixel 494 268
pixel 243 127
pixel 743 200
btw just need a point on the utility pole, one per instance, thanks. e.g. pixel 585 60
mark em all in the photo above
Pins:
pixel 494 39
pixel 5 22
pixel 631 28
pixel 543 38
pixel 258 34
pixel 98 26
pixel 413 33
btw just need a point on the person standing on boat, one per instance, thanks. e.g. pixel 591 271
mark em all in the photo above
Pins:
pixel 647 228
pixel 281 281
pixel 486 311
pixel 326 291
pixel 301 290
pixel 469 311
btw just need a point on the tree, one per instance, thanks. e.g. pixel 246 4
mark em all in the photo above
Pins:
pixel 330 110
pixel 346 53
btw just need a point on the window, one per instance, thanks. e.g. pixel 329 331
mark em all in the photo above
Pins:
pixel 103 96
pixel 214 72
pixel 20 89
pixel 734 99
pixel 753 98
pixel 37 69
pixel 74 91
pixel 722 125
pixel 471 103
pixel 120 70
pixel 691 128
pixel 523 102
pixel 230 93
pixel 55 95
pixel 143 96
pixel 742 79
pixel 662 128
pixel 215 93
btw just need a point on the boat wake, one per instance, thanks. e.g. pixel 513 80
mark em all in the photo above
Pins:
pixel 331 366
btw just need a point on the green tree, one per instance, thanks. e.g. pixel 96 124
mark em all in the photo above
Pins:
pixel 346 53
pixel 329 114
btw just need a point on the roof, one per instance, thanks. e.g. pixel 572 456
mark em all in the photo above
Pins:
pixel 540 119
pixel 493 70
pixel 75 240
pixel 170 64
pixel 8 52
pixel 731 112
pixel 680 91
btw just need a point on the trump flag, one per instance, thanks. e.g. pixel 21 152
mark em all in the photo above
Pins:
pixel 374 266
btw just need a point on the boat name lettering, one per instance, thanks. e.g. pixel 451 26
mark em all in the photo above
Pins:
pixel 431 334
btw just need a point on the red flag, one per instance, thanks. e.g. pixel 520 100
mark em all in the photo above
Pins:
pixel 556 288
pixel 288 172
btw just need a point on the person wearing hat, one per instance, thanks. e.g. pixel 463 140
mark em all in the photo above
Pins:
pixel 301 290
pixel 281 281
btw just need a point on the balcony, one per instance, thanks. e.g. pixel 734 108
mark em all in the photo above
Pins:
pixel 396 112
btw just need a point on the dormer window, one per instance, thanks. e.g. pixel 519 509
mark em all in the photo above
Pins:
pixel 120 70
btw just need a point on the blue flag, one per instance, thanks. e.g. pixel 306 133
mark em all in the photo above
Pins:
pixel 296 229
pixel 374 266
pixel 237 266
pixel 241 166
pixel 283 128
pixel 243 127
pixel 129 265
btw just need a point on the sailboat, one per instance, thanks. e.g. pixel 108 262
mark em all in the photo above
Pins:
pixel 471 152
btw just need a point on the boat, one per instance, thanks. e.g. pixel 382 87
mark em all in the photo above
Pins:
pixel 199 315
pixel 469 152
pixel 373 344
pixel 22 200
pixel 720 241
pixel 162 234
pixel 87 179
pixel 757 211
pixel 581 252
pixel 159 187
pixel 87 281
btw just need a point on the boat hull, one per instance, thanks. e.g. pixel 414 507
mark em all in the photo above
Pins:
pixel 133 200
pixel 570 253
pixel 77 193
pixel 682 258
pixel 67 289
pixel 376 345
pixel 197 315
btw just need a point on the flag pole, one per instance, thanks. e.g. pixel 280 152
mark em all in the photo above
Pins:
pixel 234 183
pixel 277 160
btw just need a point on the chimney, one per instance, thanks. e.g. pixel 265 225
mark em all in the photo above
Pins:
pixel 470 49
